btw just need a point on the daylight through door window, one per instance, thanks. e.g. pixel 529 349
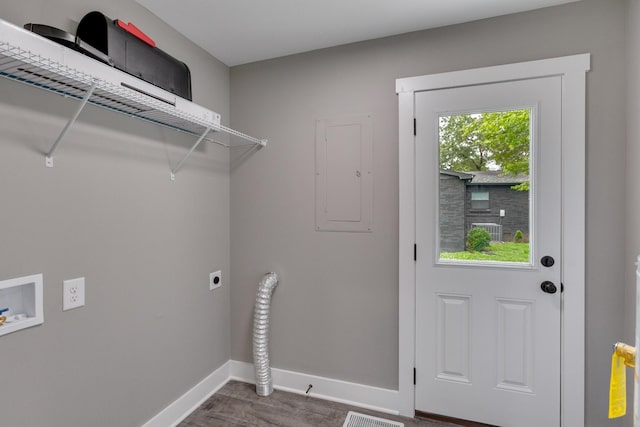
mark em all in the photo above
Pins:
pixel 484 205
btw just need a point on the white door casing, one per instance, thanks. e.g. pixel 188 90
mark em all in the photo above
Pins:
pixel 488 337
pixel 572 72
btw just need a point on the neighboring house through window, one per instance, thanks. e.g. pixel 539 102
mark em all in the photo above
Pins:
pixel 480 197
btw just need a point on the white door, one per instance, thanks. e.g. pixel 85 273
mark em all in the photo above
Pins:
pixel 487 334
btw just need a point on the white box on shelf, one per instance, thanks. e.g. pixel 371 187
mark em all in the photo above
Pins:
pixel 23 297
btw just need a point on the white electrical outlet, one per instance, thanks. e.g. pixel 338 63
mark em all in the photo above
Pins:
pixel 72 293
pixel 215 280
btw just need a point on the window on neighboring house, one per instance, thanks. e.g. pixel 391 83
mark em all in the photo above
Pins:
pixel 480 200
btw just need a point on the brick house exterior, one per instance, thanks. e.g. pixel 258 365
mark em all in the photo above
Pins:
pixel 478 197
pixel 452 210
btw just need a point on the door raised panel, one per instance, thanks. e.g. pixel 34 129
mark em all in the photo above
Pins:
pixel 453 326
pixel 515 345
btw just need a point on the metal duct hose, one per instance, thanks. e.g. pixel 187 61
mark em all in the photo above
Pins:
pixel 264 383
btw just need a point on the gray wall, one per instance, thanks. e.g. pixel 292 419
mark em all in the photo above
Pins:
pixel 335 312
pixel 632 224
pixel 107 211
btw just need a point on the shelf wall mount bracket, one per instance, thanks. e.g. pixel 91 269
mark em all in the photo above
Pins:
pixel 259 142
pixel 48 160
pixel 175 170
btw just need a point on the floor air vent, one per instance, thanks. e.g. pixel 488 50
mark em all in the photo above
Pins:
pixel 355 419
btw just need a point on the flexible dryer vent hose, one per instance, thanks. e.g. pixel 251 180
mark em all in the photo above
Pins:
pixel 264 383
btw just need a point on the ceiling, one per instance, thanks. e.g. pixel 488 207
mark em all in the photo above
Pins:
pixel 242 31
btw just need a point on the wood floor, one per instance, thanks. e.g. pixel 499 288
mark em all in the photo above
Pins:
pixel 237 404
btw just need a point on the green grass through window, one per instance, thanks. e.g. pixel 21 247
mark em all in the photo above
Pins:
pixel 505 252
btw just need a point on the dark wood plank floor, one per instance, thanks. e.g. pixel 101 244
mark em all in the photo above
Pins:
pixel 237 404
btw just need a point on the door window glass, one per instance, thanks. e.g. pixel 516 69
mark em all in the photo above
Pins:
pixel 485 177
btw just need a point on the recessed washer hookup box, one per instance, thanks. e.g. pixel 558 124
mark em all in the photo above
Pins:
pixel 135 53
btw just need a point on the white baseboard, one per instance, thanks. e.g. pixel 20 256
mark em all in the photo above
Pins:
pixel 192 399
pixel 364 396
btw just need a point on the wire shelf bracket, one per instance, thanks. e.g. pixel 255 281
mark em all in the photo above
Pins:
pixel 28 58
pixel 48 160
pixel 175 170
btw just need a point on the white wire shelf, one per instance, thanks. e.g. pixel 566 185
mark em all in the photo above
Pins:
pixel 28 58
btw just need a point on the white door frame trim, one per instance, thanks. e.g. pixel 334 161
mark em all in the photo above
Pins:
pixel 572 70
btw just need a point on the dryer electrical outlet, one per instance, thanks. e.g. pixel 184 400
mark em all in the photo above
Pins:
pixel 215 280
pixel 72 293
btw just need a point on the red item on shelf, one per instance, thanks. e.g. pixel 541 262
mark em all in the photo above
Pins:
pixel 130 28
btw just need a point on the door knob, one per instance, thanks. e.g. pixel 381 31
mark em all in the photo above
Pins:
pixel 547 261
pixel 548 287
